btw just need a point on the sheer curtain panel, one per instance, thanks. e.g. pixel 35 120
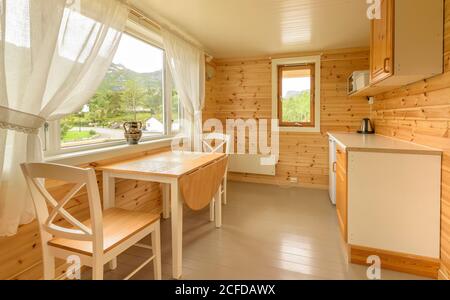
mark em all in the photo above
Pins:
pixel 187 66
pixel 53 56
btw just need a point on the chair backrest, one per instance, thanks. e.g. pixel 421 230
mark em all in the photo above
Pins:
pixel 36 173
pixel 199 187
pixel 222 143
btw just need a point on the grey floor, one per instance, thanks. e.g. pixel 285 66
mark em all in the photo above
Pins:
pixel 268 233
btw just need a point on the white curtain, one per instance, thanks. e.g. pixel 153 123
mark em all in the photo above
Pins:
pixel 53 56
pixel 187 66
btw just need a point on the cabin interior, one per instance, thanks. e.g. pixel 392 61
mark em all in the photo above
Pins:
pixel 225 140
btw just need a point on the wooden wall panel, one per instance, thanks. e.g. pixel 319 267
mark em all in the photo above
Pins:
pixel 243 89
pixel 420 113
pixel 20 255
pixel 210 105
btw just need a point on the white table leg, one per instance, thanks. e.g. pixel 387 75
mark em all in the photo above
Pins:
pixel 166 200
pixel 177 230
pixel 218 207
pixel 212 210
pixel 109 201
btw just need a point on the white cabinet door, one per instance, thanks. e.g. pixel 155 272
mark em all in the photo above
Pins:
pixel 394 202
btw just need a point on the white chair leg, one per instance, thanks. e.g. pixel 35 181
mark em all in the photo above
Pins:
pixel 211 210
pixel 218 208
pixel 225 190
pixel 156 248
pixel 113 264
pixel 49 266
pixel 97 269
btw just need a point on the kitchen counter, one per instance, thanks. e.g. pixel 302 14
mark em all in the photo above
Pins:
pixel 378 143
pixel 388 196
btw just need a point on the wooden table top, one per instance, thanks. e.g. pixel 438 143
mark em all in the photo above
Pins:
pixel 171 164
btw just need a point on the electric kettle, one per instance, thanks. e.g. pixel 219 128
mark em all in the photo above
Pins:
pixel 366 127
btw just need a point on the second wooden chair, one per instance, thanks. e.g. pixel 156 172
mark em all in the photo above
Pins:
pixel 218 143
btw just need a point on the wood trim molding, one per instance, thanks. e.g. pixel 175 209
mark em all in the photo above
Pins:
pixel 444 273
pixel 270 180
pixel 400 262
pixel 297 54
pixel 316 61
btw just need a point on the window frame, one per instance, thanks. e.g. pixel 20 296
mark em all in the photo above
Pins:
pixel 277 91
pixel 51 136
pixel 311 67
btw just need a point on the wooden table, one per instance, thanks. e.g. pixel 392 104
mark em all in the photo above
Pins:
pixel 165 168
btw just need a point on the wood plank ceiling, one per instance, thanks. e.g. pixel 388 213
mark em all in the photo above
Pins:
pixel 248 28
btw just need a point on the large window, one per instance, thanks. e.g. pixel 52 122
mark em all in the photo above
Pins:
pixel 131 91
pixel 135 88
pixel 296 93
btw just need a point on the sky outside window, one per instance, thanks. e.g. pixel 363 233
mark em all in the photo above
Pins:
pixel 296 85
pixel 138 56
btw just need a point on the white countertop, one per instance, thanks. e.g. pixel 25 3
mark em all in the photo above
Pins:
pixel 378 143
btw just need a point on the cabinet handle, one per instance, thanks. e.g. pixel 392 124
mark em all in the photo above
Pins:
pixel 385 66
pixel 334 167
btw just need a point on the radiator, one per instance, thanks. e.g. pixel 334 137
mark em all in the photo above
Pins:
pixel 251 164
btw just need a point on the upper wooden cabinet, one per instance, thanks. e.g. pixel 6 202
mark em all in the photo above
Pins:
pixel 382 43
pixel 406 44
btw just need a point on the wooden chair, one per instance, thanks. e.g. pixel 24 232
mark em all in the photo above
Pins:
pixel 218 143
pixel 96 241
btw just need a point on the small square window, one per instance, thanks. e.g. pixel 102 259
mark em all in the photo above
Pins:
pixel 296 95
